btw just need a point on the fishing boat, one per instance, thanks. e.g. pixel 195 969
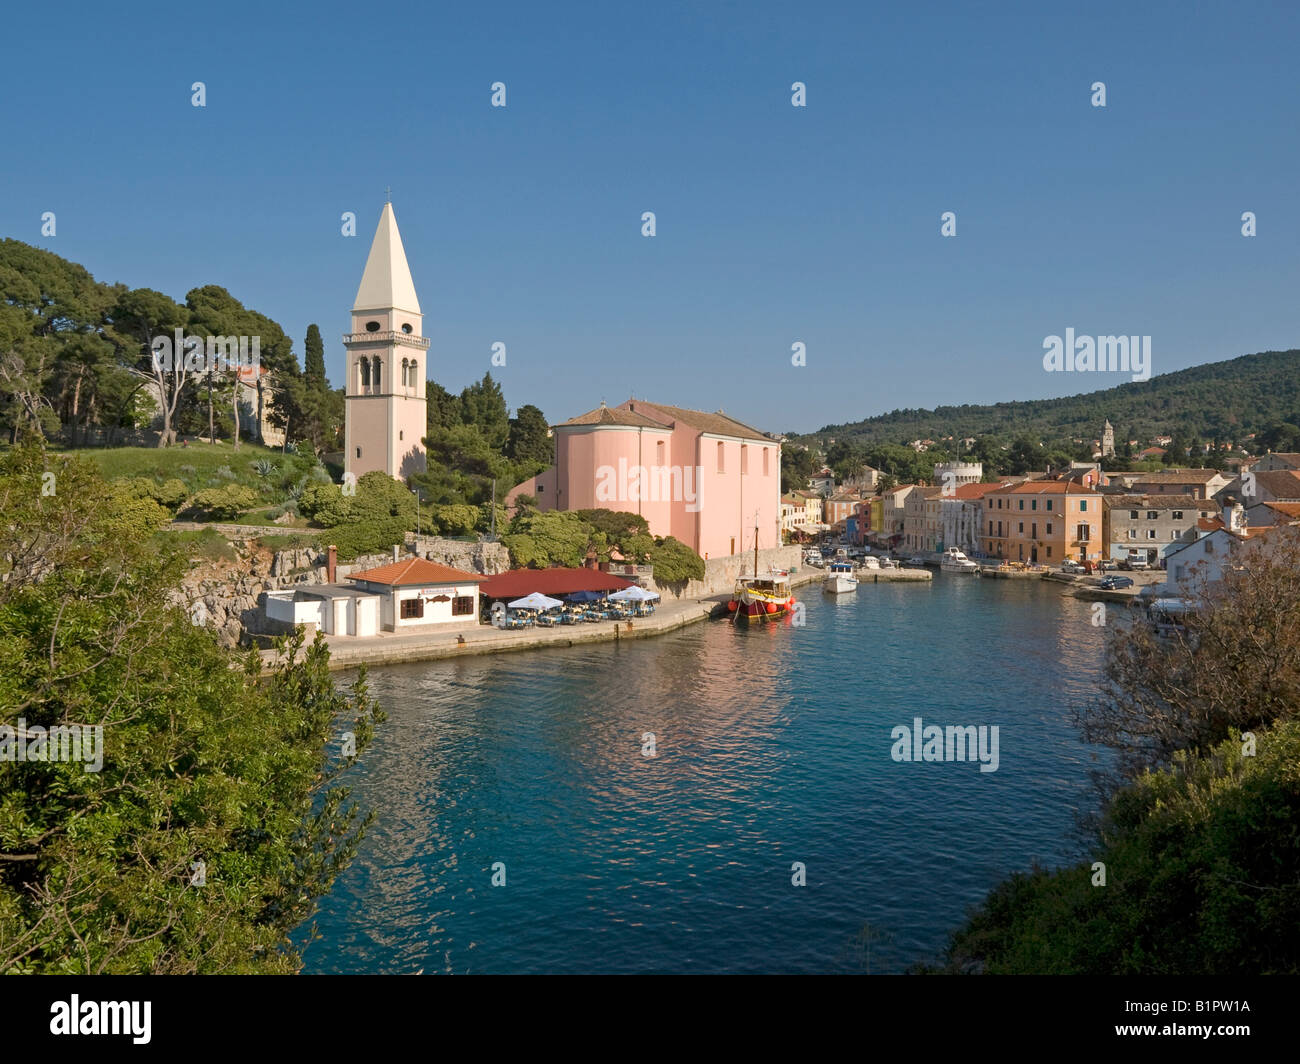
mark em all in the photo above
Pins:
pixel 759 599
pixel 840 579
pixel 955 561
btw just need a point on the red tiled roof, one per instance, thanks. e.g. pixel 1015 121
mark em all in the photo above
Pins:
pixel 603 415
pixel 976 491
pixel 718 424
pixel 415 572
pixel 1177 476
pixel 520 582
pixel 1046 487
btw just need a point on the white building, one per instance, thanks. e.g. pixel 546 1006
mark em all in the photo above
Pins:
pixel 416 593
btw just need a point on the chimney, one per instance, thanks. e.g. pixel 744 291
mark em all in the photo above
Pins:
pixel 1236 515
pixel 331 563
pixel 396 556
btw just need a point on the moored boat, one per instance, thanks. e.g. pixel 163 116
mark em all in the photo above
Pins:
pixel 760 599
pixel 955 561
pixel 840 579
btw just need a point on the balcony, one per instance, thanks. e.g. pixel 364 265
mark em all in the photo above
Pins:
pixel 392 336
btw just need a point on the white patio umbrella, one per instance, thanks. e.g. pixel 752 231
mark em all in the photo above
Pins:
pixel 535 601
pixel 633 594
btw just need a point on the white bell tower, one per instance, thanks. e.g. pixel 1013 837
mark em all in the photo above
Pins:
pixel 385 420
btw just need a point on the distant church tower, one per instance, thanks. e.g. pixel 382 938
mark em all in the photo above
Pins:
pixel 385 398
pixel 1108 439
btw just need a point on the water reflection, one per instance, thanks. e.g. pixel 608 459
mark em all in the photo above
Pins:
pixel 772 747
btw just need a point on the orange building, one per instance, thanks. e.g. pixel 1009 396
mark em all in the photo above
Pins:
pixel 1043 521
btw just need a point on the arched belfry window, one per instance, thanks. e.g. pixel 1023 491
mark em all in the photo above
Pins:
pixel 375 370
pixel 364 366
pixel 406 372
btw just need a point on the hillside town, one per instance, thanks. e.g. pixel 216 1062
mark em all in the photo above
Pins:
pixel 1182 521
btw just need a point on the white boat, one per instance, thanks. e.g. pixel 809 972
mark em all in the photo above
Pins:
pixel 839 579
pixel 870 562
pixel 954 561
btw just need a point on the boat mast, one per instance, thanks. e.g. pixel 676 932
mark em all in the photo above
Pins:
pixel 755 544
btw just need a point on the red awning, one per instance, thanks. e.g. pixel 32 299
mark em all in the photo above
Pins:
pixel 520 582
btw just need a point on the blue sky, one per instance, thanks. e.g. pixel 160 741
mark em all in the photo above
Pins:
pixel 775 224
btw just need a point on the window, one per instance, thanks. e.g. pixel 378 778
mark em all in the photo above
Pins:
pixel 659 453
pixel 1049 528
pixel 1151 533
pixel 1033 504
pixel 1049 552
pixel 406 329
pixel 1082 533
pixel 1152 514
pixel 372 326
pixel 766 452
pixel 1083 506
pixel 541 488
pixel 401 435
pixel 462 606
pixel 1022 504
pixel 1133 515
pixel 1049 505
pixel 1178 515
pixel 722 468
pixel 1209 546
pixel 358 452
pixel 744 459
pixel 1021 529
pixel 375 370
pixel 364 367
pixel 412 607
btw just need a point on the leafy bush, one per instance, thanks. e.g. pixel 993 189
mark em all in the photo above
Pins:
pixel 457 520
pixel 365 537
pixel 675 562
pixel 540 540
pixel 225 472
pixel 221 504
pixel 1202 866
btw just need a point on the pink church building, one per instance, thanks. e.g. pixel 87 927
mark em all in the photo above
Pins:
pixel 705 479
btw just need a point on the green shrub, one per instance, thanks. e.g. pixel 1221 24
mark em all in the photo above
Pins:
pixel 221 504
pixel 365 537
pixel 674 562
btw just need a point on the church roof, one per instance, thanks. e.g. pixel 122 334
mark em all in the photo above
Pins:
pixel 604 415
pixel 387 279
pixel 718 424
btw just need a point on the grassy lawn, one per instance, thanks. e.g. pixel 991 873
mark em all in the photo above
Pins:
pixel 196 464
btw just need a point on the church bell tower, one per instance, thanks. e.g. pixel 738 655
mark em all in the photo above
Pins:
pixel 385 403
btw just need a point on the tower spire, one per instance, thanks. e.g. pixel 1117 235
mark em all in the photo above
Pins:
pixel 386 282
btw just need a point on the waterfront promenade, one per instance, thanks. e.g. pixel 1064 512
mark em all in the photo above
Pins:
pixel 391 648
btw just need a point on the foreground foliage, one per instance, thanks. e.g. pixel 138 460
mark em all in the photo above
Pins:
pixel 217 819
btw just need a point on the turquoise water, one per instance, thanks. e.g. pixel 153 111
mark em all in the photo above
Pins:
pixel 773 747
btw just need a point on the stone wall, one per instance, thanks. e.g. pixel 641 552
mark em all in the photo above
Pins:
pixel 482 557
pixel 721 574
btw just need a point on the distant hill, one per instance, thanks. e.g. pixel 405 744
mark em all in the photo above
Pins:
pixel 1218 401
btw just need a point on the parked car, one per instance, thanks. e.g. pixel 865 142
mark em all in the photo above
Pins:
pixel 1108 565
pixel 1134 565
pixel 1114 583
pixel 1073 567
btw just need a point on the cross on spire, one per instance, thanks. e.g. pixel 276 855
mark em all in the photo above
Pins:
pixel 388 195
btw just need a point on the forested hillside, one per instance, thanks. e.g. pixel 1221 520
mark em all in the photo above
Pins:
pixel 1219 401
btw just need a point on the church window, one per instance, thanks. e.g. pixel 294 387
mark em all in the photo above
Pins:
pixel 358 452
pixel 375 370
pixel 372 326
pixel 406 328
pixel 401 435
pixel 364 366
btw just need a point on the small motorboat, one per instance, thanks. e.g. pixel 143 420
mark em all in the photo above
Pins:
pixel 839 578
pixel 955 561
